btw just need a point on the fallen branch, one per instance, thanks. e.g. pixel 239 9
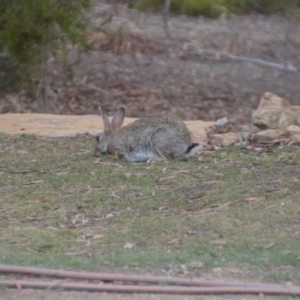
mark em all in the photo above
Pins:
pixel 223 56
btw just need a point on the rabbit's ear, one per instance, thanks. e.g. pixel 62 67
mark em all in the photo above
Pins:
pixel 105 119
pixel 118 119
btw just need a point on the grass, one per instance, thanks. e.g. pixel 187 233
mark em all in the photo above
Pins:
pixel 233 212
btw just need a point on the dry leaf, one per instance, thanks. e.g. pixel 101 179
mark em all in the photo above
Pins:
pixel 282 157
pixel 162 208
pixel 113 194
pixel 97 161
pixel 128 246
pixel 89 236
pixel 169 177
pixel 212 181
pixel 254 199
pixel 272 206
pixel 196 264
pixel 61 173
pixel 98 236
pixel 183 171
pixel 192 232
pixel 172 242
pixel 269 245
pixel 219 242
pixel 234 270
pixel 112 214
pixel 79 220
pixel 217 270
pixel 34 182
pixel 244 170
pixel 285 191
pixel 43 248
pixel 223 205
pixel 76 253
pixel 90 189
pixel 23 152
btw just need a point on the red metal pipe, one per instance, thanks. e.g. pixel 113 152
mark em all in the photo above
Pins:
pixel 193 286
pixel 149 289
pixel 126 278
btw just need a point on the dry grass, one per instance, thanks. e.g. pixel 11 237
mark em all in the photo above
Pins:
pixel 230 213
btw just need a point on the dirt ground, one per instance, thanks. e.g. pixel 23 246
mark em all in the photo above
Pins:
pixel 8 294
pixel 136 65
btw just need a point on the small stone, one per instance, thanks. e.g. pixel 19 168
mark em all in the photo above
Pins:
pixel 296 137
pixel 222 122
pixel 293 129
pixel 225 139
pixel 289 117
pixel 241 144
pixel 224 126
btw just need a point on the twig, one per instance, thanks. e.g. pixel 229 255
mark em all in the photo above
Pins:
pixel 223 56
pixel 166 11
pixel 95 88
pixel 162 193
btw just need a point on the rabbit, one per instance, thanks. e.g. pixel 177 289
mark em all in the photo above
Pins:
pixel 154 137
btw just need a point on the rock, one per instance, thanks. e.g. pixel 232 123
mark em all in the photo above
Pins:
pixel 221 122
pixel 210 130
pixel 293 129
pixel 298 120
pixel 224 125
pixel 225 139
pixel 198 129
pixel 289 116
pixel 269 111
pixel 296 137
pixel 241 144
pixel 247 130
pixel 268 135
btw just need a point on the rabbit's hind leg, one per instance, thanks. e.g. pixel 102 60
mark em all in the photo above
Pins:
pixel 143 154
pixel 167 144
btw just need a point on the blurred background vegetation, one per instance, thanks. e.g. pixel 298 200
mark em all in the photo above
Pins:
pixel 32 31
pixel 212 8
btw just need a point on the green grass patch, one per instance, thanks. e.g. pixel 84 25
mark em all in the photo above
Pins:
pixel 232 211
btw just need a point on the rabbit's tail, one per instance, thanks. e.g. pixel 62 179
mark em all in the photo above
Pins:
pixel 192 150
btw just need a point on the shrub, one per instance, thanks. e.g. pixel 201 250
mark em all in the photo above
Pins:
pixel 148 5
pixel 32 29
pixel 212 8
